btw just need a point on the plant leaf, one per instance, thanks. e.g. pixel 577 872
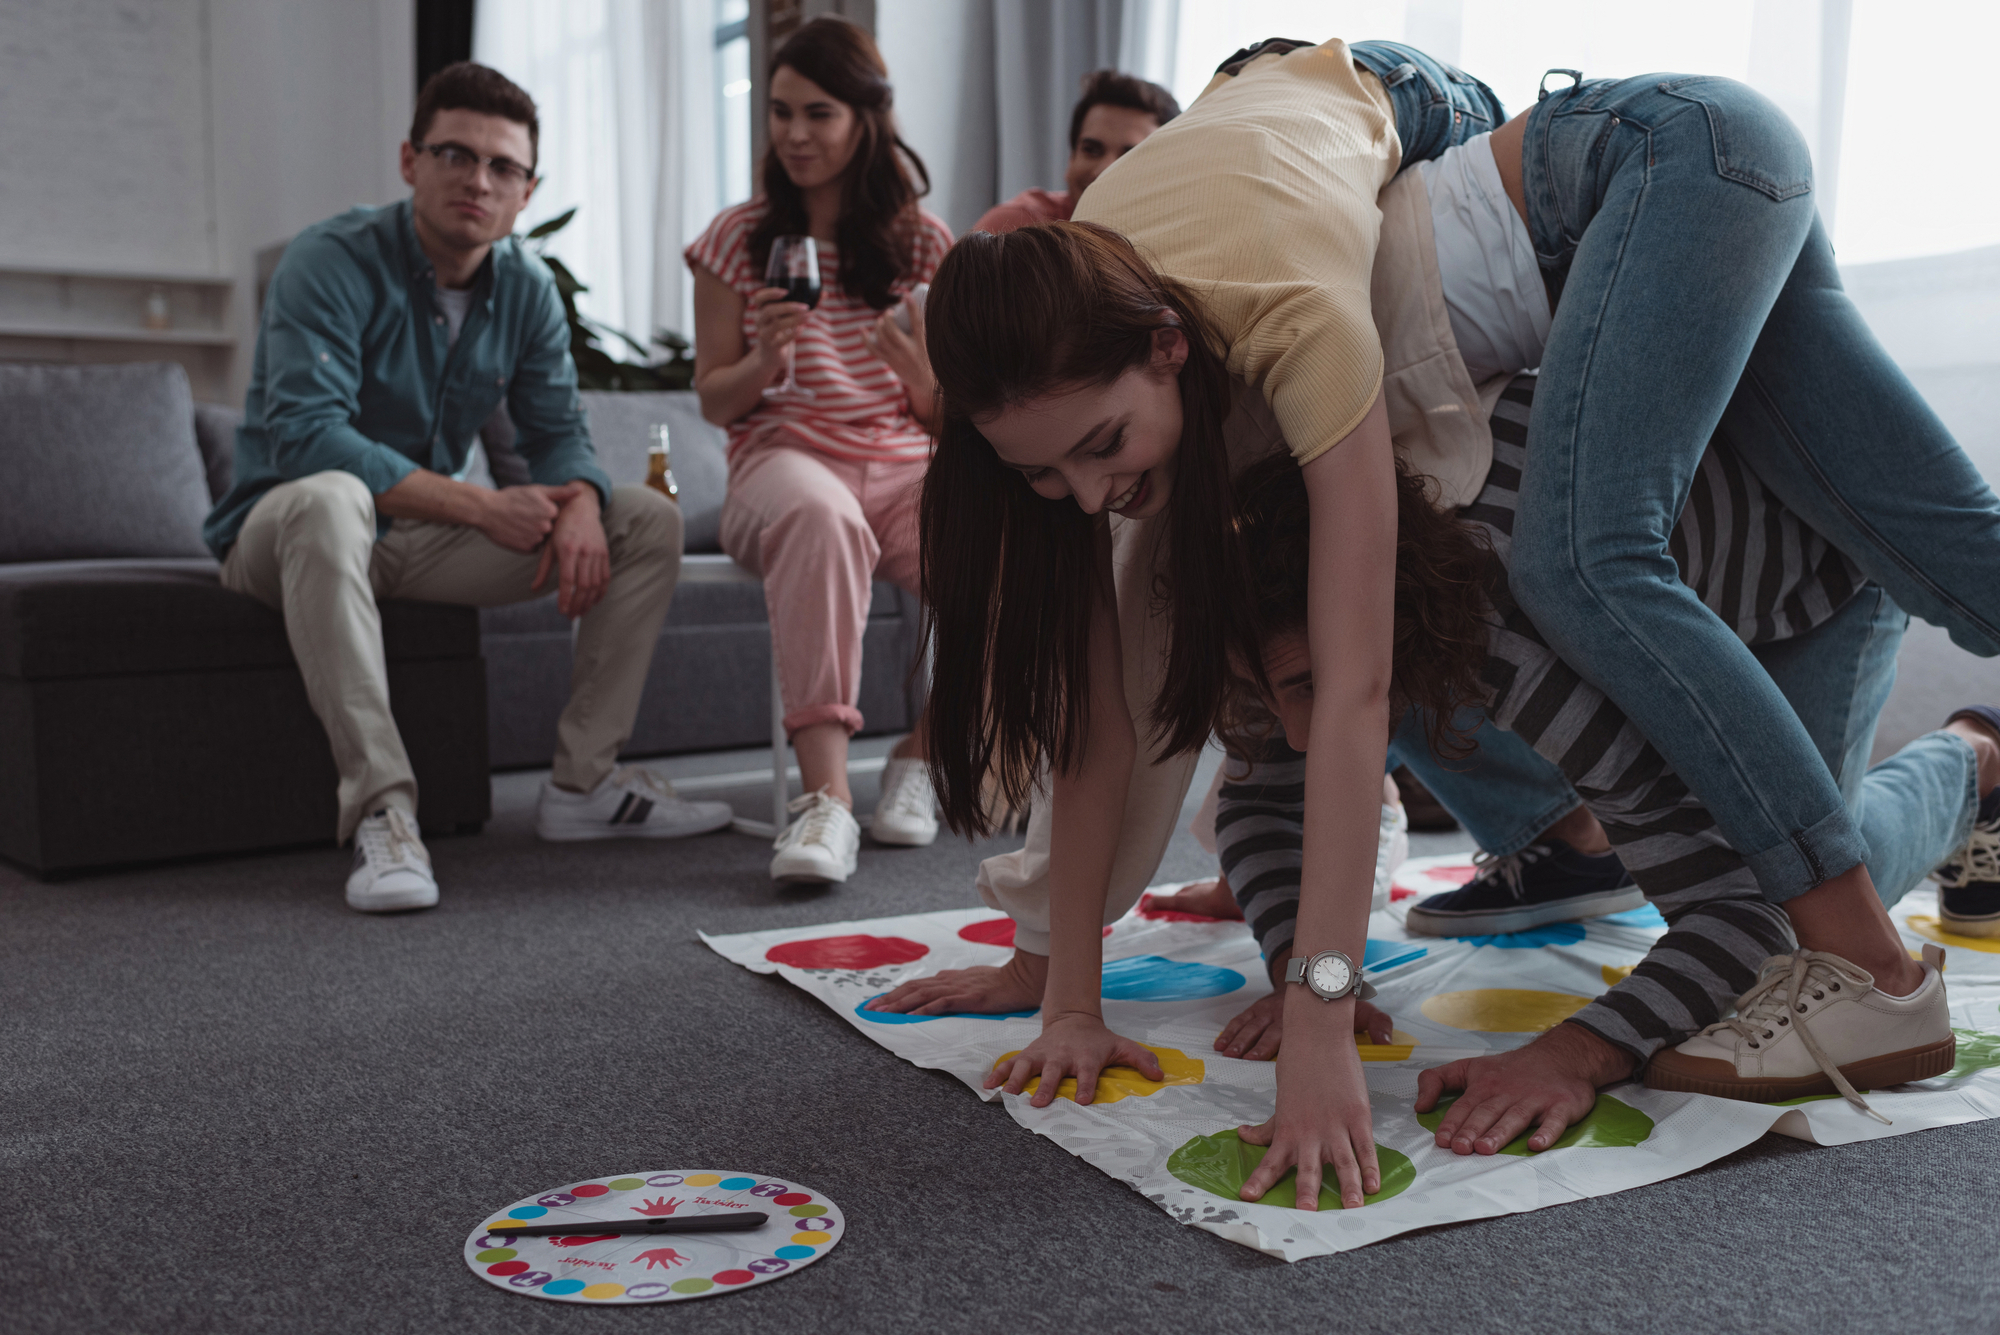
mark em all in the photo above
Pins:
pixel 552 226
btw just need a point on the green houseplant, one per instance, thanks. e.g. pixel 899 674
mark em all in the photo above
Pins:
pixel 596 368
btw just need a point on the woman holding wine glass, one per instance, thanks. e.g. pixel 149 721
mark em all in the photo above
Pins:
pixel 826 395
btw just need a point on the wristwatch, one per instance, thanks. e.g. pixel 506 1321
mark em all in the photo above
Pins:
pixel 1330 975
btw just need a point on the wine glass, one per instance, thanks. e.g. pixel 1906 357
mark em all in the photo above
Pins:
pixel 794 266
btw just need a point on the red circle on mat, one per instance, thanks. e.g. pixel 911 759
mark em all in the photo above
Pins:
pixel 847 952
pixel 995 932
pixel 589 1189
pixel 1151 914
pixel 733 1277
pixel 992 932
pixel 791 1198
pixel 507 1268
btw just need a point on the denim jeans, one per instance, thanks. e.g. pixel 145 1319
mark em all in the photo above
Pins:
pixel 1502 793
pixel 1437 105
pixel 1699 295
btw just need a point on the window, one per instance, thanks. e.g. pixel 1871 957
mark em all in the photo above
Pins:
pixel 732 101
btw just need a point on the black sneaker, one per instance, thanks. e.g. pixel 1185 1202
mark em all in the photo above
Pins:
pixel 1969 884
pixel 1543 883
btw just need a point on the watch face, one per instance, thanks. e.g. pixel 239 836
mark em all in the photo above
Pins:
pixel 1331 975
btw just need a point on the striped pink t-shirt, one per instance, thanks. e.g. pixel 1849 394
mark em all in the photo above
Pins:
pixel 862 411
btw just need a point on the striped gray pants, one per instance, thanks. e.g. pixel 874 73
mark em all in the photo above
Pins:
pixel 1828 637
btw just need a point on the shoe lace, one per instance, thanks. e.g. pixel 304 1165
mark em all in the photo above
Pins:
pixel 909 792
pixel 394 840
pixel 1508 868
pixel 1777 1002
pixel 1978 860
pixel 816 826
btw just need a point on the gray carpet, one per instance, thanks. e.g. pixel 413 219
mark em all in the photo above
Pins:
pixel 229 1104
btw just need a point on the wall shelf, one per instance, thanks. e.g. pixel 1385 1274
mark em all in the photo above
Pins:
pixel 99 315
pixel 114 333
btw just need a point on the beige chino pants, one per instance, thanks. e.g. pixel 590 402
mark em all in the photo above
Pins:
pixel 308 549
pixel 1018 883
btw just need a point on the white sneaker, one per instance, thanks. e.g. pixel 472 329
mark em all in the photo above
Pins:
pixel 1815 1024
pixel 631 803
pixel 821 845
pixel 392 868
pixel 906 815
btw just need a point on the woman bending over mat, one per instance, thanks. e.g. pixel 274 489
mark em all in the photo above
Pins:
pixel 1264 267
pixel 823 489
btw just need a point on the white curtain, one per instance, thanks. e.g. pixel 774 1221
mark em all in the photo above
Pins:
pixel 627 99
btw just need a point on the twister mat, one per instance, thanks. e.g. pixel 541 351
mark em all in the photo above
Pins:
pixel 610 1269
pixel 1172 982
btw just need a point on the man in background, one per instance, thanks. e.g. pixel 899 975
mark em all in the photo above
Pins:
pixel 388 335
pixel 1114 115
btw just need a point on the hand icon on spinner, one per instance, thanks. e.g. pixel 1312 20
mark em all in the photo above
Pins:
pixel 582 1240
pixel 663 1206
pixel 665 1256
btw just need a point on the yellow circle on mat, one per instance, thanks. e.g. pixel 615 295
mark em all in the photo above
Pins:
pixel 1615 974
pixel 604 1291
pixel 1117 1082
pixel 701 1180
pixel 1397 1049
pixel 1923 924
pixel 511 1223
pixel 1502 1010
pixel 812 1239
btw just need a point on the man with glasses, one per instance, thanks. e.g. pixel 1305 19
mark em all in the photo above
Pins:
pixel 388 336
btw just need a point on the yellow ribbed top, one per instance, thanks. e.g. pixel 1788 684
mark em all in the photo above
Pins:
pixel 1261 199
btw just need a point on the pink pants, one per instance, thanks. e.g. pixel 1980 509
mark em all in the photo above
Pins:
pixel 819 530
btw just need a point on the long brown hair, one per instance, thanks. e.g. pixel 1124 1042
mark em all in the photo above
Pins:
pixel 1009 577
pixel 877 231
pixel 1446 580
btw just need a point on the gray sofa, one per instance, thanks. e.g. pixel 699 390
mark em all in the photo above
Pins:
pixel 145 711
pixel 708 687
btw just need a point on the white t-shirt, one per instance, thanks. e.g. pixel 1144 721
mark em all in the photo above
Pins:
pixel 453 303
pixel 1493 290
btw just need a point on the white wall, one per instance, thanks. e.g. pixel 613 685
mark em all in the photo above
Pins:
pixel 940 61
pixel 184 135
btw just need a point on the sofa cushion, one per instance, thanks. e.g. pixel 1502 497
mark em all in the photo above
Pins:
pixel 100 618
pixel 98 461
pixel 215 432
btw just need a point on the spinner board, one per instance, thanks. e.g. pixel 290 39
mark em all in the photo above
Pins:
pixel 590 1266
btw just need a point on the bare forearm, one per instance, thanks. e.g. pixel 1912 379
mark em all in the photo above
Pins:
pixel 437 498
pixel 1083 843
pixel 731 392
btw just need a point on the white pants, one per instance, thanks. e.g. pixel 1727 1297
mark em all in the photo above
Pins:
pixel 1018 883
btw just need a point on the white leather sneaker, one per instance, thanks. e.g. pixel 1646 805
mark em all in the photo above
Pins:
pixel 1815 1024
pixel 392 868
pixel 631 803
pixel 821 845
pixel 906 815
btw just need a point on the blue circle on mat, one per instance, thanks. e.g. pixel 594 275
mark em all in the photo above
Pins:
pixel 736 1183
pixel 902 1017
pixel 794 1253
pixel 1555 934
pixel 563 1286
pixel 1644 916
pixel 527 1212
pixel 1156 978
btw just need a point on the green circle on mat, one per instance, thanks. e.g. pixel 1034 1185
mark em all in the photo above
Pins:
pixel 1220 1163
pixel 1976 1052
pixel 627 1183
pixel 496 1254
pixel 808 1211
pixel 693 1285
pixel 1610 1122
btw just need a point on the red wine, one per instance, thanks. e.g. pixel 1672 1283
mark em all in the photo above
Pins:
pixel 805 291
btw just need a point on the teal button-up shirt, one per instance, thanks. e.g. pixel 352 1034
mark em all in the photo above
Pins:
pixel 356 371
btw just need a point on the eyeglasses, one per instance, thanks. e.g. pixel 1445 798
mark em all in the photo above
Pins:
pixel 461 162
